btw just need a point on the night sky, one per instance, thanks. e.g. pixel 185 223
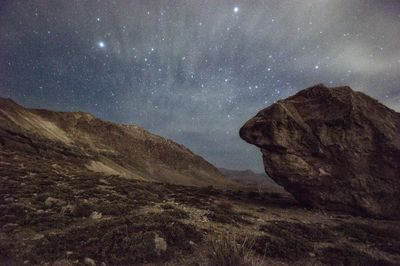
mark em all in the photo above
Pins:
pixel 194 71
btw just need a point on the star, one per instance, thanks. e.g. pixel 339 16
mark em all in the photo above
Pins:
pixel 228 58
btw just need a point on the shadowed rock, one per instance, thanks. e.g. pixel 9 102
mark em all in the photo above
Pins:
pixel 332 148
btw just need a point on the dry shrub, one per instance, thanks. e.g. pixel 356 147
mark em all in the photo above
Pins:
pixel 230 250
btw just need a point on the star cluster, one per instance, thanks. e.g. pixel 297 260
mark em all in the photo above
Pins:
pixel 194 71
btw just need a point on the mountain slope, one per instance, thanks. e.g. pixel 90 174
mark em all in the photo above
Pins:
pixel 87 143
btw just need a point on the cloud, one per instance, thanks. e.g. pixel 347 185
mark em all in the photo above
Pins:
pixel 195 71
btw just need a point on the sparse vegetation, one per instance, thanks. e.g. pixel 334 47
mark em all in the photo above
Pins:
pixel 118 241
pixel 135 214
pixel 348 255
pixel 229 250
pixel 177 214
pixel 289 247
pixel 307 233
pixel 386 239
pixel 223 213
pixel 83 209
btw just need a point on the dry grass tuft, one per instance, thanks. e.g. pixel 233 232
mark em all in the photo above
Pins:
pixel 229 250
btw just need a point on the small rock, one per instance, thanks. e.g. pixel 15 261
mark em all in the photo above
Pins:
pixel 161 244
pixel 96 215
pixel 69 209
pixel 205 219
pixel 50 202
pixel 311 254
pixel 9 199
pixel 103 181
pixel 89 261
pixel 40 211
pixel 9 226
pixel 37 237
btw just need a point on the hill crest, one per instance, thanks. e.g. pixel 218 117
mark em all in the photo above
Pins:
pixel 97 145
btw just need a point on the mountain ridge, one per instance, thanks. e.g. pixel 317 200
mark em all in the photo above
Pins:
pixel 102 146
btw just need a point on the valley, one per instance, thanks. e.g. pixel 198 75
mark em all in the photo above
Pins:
pixel 59 208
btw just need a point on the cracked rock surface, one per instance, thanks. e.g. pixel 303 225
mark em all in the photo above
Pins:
pixel 332 148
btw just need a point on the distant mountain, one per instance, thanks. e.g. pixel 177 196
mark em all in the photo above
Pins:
pixel 76 142
pixel 248 177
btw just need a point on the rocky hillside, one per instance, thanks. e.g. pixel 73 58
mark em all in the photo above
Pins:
pixel 60 139
pixel 56 216
pixel 332 148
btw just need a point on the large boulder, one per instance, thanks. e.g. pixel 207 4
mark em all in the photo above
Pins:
pixel 332 148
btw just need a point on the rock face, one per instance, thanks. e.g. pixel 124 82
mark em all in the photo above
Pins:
pixel 332 148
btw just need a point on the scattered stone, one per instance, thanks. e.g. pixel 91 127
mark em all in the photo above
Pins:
pixel 51 202
pixel 161 244
pixel 332 149
pixel 38 237
pixel 9 199
pixel 104 181
pixel 89 261
pixel 69 209
pixel 96 215
pixel 9 227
